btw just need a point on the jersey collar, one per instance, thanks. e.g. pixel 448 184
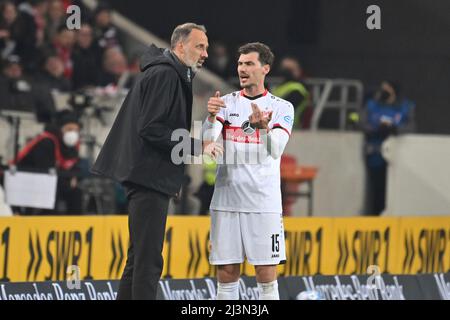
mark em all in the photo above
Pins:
pixel 242 94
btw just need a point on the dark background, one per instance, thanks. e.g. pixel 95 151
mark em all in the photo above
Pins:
pixel 331 39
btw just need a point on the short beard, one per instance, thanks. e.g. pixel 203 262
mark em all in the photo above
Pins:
pixel 245 86
pixel 195 68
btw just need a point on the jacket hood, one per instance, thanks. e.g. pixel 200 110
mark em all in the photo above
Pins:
pixel 156 56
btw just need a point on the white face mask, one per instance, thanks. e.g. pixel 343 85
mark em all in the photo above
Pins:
pixel 71 138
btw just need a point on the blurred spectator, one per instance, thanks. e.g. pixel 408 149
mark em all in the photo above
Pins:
pixel 115 69
pixel 135 63
pixel 52 75
pixel 62 45
pixel 386 114
pixel 35 11
pixel 56 16
pixel 86 59
pixel 18 92
pixel 293 89
pixel 57 147
pixel 219 61
pixel 206 189
pixel 17 33
pixel 105 32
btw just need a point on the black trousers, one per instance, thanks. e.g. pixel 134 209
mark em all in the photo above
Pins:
pixel 147 224
pixel 377 186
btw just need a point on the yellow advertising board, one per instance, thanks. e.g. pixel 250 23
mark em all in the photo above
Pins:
pixel 359 243
pixel 43 248
pixel 424 245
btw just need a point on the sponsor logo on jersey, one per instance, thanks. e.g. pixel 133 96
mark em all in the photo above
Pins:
pixel 247 128
pixel 234 114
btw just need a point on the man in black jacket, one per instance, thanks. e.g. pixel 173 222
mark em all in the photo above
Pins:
pixel 137 151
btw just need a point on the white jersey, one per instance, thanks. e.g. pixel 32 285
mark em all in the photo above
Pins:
pixel 248 177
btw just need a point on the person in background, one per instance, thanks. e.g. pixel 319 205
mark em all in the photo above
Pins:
pixel 105 32
pixel 86 59
pixel 386 114
pixel 52 75
pixel 18 92
pixel 56 148
pixel 206 189
pixel 293 89
pixel 62 45
pixel 115 66
pixel 35 12
pixel 220 62
pixel 17 33
pixel 56 16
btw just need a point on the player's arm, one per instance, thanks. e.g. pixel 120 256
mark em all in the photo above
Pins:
pixel 276 136
pixel 275 140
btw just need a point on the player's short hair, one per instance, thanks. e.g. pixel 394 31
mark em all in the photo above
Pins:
pixel 181 32
pixel 266 55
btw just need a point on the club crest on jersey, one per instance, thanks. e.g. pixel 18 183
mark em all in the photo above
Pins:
pixel 247 128
pixel 289 120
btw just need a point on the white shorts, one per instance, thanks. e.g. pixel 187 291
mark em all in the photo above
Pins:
pixel 257 236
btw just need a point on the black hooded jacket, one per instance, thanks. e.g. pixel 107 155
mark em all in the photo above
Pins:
pixel 139 146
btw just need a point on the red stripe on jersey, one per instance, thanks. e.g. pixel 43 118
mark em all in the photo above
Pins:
pixel 236 134
pixel 220 119
pixel 277 125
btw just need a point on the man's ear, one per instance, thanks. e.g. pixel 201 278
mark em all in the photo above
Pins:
pixel 180 47
pixel 266 69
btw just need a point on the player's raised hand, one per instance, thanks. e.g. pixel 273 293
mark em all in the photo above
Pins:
pixel 257 118
pixel 214 105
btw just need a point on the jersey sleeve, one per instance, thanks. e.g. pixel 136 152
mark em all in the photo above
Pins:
pixel 283 118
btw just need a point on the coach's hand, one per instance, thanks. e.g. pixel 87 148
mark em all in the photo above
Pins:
pixel 257 118
pixel 214 105
pixel 212 149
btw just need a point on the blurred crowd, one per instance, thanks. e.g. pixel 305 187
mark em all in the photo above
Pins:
pixel 40 55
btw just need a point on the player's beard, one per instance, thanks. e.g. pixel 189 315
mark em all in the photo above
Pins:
pixel 247 85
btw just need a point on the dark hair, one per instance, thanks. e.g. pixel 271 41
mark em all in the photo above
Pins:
pixel 266 55
pixel 395 85
pixel 181 32
pixel 64 117
pixel 102 6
